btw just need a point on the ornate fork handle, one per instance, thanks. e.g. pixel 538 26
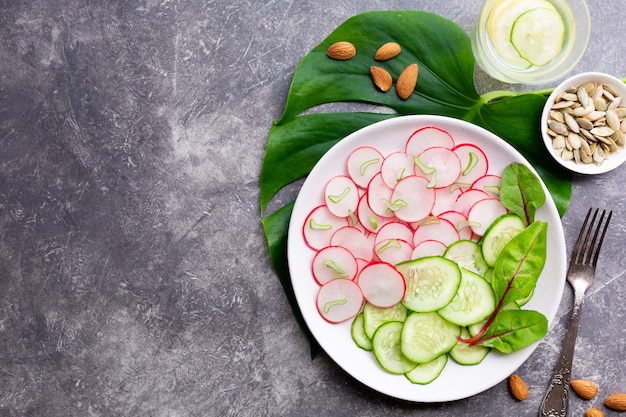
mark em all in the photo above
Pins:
pixel 556 400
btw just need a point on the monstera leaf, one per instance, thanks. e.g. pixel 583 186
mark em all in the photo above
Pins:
pixel 445 87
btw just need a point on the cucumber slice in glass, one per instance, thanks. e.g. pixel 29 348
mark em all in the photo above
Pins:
pixel 538 34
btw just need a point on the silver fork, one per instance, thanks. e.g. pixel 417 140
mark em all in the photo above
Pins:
pixel 581 273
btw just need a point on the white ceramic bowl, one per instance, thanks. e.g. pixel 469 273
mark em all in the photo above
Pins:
pixel 615 159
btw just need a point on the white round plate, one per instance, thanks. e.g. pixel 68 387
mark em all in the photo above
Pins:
pixel 455 382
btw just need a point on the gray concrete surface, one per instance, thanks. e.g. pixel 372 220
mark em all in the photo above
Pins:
pixel 134 275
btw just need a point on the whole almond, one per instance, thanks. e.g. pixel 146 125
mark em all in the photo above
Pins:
pixel 594 412
pixel 585 389
pixel 518 388
pixel 382 78
pixel 407 81
pixel 341 51
pixel 387 51
pixel 616 402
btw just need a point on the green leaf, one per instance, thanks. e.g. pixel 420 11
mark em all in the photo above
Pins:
pixel 520 263
pixel 521 192
pixel 275 227
pixel 514 329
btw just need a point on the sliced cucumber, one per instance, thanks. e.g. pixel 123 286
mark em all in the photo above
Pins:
pixel 358 333
pixel 473 302
pixel 431 282
pixel 477 327
pixel 426 336
pixel 467 254
pixel 386 346
pixel 501 231
pixel 374 316
pixel 538 34
pixel 465 354
pixel 426 373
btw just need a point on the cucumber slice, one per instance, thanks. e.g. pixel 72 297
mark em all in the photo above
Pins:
pixel 431 282
pixel 426 373
pixel 467 254
pixel 374 317
pixel 358 333
pixel 501 231
pixel 464 354
pixel 386 346
pixel 538 34
pixel 473 302
pixel 426 336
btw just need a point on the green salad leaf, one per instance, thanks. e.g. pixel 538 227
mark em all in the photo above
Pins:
pixel 521 192
pixel 445 86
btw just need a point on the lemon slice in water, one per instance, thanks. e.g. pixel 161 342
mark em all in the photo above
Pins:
pixel 537 35
pixel 500 24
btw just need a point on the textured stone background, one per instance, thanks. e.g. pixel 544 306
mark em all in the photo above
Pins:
pixel 134 275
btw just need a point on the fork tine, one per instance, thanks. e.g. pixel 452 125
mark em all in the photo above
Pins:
pixel 577 252
pixel 586 251
pixel 594 256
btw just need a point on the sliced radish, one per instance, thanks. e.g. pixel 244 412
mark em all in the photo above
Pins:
pixel 466 200
pixel 441 165
pixel 395 230
pixel 483 213
pixel 412 200
pixel 474 162
pixel 356 242
pixel 444 199
pixel 396 166
pixel 369 220
pixel 460 222
pixel 382 285
pixel 339 300
pixel 341 196
pixel 334 262
pixel 393 251
pixel 439 229
pixel 319 227
pixel 428 137
pixel 363 164
pixel 428 248
pixel 489 184
pixel 379 197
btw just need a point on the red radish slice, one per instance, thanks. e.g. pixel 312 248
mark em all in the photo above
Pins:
pixel 428 137
pixel 395 230
pixel 466 200
pixel 363 164
pixel 444 199
pixel 412 200
pixel 428 248
pixel 489 184
pixel 396 166
pixel 474 162
pixel 439 229
pixel 341 196
pixel 441 165
pixel 339 300
pixel 356 242
pixel 460 222
pixel 379 197
pixel 319 227
pixel 393 251
pixel 362 263
pixel 382 285
pixel 483 213
pixel 369 220
pixel 334 262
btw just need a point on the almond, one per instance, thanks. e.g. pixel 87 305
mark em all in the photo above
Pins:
pixel 407 81
pixel 594 412
pixel 341 51
pixel 382 79
pixel 585 389
pixel 616 402
pixel 387 51
pixel 518 388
